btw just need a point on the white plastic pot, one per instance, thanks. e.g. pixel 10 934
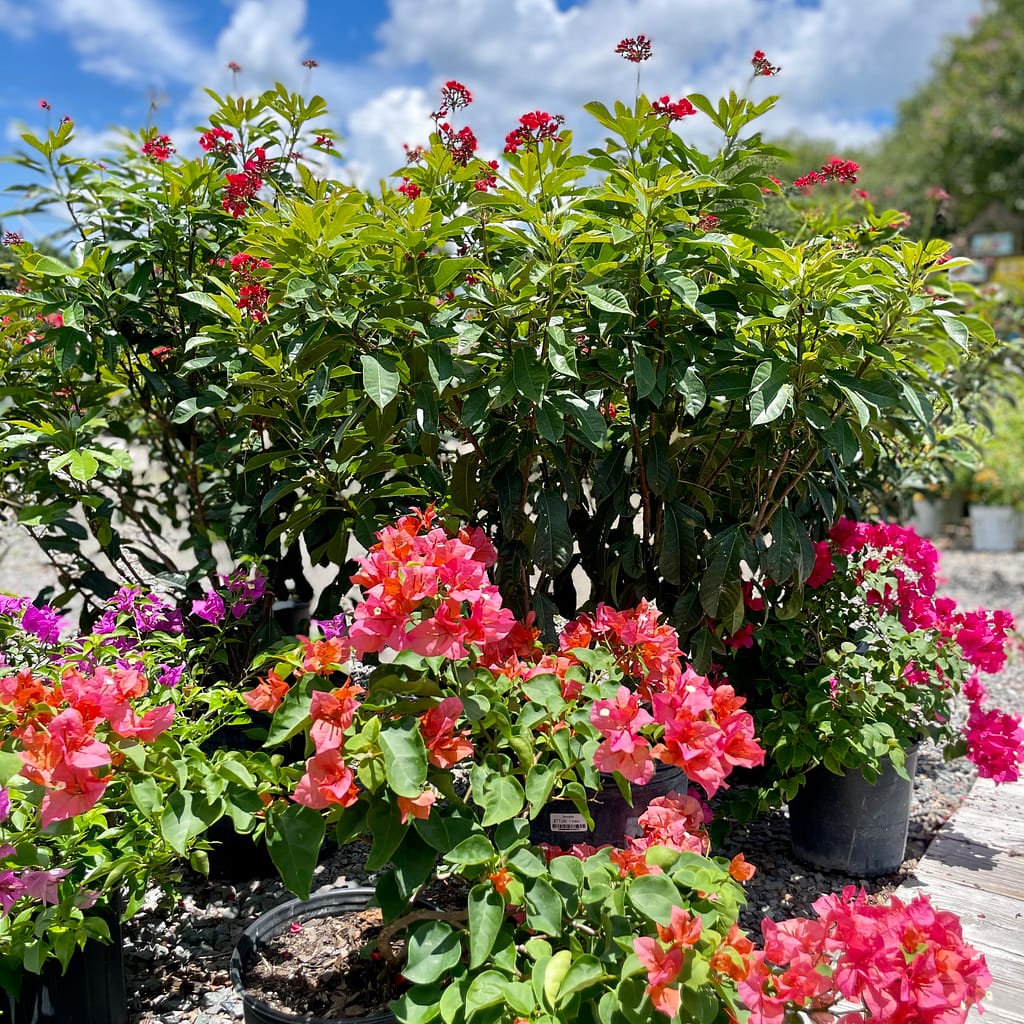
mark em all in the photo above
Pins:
pixel 993 527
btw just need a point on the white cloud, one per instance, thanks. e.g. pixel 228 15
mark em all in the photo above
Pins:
pixel 376 132
pixel 843 63
pixel 17 19
pixel 265 38
pixel 131 41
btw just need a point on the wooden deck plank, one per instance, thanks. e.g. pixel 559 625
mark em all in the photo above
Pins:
pixel 975 867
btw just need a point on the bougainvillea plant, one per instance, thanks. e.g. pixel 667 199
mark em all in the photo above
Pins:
pixel 442 754
pixel 869 659
pixel 107 778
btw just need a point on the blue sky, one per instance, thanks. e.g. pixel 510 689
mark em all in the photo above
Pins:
pixel 381 62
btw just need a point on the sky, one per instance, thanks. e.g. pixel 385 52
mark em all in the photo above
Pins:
pixel 381 63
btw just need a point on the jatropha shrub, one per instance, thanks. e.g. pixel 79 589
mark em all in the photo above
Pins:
pixel 610 359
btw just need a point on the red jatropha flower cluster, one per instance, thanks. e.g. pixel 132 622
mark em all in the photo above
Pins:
pixel 58 725
pixel 45 105
pixel 895 961
pixel 13 238
pixel 460 143
pixel 323 142
pixel 454 96
pixel 762 67
pixel 533 129
pixel 311 64
pixel 834 169
pixel 158 148
pixel 217 140
pixel 706 222
pixel 252 295
pixel 413 154
pixel 409 189
pixel 234 67
pixel 487 179
pixel 242 187
pixel 635 50
pixel 664 107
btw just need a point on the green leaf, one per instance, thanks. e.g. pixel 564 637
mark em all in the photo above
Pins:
pixel 791 551
pixel 208 302
pixel 405 757
pixel 432 950
pixel 146 795
pixel 476 849
pixel 294 837
pixel 186 815
pixel 486 989
pixel 10 765
pixel 318 387
pixel 682 286
pixel 555 972
pixel 381 379
pixel 529 377
pixel 486 915
pixel 654 896
pixel 291 716
pixel 502 798
pixel 540 780
pixel 552 539
pixel 723 552
pixel 419 1005
pixel 644 375
pixel 608 299
pixel 550 425
pixel 770 392
pixel 384 827
pixel 585 972
pixel 544 907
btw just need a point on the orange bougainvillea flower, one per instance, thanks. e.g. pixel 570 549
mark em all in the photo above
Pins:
pixel 416 806
pixel 324 656
pixel 740 868
pixel 500 880
pixel 267 694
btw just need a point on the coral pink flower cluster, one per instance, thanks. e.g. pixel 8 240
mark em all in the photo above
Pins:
pixel 701 729
pixel 903 963
pixel 417 581
pixel 58 727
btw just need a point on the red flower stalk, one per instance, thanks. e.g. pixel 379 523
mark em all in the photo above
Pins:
pixel 158 148
pixel 217 140
pixel 635 50
pixel 409 189
pixel 762 67
pixel 533 129
pixel 664 107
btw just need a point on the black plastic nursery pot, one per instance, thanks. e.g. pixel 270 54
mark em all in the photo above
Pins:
pixel 91 990
pixel 252 941
pixel 845 823
pixel 561 824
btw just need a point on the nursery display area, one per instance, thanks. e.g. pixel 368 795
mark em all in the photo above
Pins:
pixel 514 537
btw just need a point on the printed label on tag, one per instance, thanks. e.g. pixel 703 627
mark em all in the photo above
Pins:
pixel 568 823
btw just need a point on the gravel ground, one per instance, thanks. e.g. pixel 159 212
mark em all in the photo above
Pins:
pixel 177 953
